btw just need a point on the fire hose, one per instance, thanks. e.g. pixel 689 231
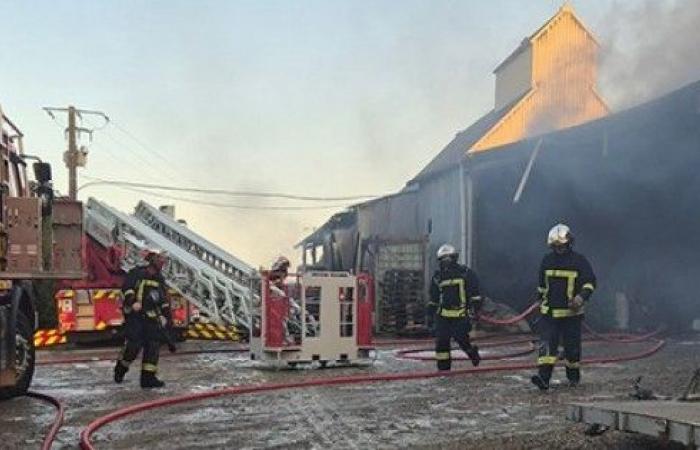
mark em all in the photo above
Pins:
pixel 348 380
pixel 57 421
pixel 510 320
pixel 86 434
pixel 484 318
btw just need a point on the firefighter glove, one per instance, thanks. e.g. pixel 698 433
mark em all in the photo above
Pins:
pixel 576 302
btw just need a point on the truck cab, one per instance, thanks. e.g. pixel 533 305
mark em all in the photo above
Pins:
pixel 40 238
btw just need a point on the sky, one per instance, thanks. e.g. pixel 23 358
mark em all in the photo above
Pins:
pixel 323 98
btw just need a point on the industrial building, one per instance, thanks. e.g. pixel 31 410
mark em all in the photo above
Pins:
pixel 547 152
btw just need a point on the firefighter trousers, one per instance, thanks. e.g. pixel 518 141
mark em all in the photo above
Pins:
pixel 566 331
pixel 445 331
pixel 141 334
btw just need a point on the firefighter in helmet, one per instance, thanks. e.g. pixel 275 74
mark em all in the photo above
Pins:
pixel 279 271
pixel 454 299
pixel 566 282
pixel 147 318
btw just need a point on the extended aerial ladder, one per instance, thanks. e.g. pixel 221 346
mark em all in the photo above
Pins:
pixel 216 282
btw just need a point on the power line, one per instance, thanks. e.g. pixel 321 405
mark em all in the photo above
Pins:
pixel 151 150
pixel 231 205
pixel 140 142
pixel 101 181
pixel 145 163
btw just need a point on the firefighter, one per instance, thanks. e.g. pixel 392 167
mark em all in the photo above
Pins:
pixel 147 318
pixel 566 282
pixel 279 272
pixel 454 299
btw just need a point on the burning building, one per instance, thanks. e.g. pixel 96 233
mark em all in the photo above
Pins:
pixel 548 152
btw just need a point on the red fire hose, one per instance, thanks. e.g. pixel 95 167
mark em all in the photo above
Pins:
pixel 96 424
pixel 57 421
pixel 510 320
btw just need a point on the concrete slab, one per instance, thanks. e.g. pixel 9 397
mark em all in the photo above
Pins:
pixel 668 420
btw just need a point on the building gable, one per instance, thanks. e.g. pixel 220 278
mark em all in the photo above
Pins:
pixel 557 68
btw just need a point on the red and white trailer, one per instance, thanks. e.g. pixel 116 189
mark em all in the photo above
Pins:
pixel 323 317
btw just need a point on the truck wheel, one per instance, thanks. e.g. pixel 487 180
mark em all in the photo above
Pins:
pixel 24 359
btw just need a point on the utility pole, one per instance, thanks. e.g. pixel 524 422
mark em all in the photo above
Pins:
pixel 74 157
pixel 71 155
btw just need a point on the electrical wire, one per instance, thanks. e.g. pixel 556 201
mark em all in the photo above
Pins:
pixel 139 142
pixel 98 181
pixel 231 205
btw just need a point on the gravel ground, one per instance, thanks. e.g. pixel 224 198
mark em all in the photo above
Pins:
pixel 491 411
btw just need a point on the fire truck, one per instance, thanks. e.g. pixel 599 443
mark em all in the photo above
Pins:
pixel 205 283
pixel 89 310
pixel 40 238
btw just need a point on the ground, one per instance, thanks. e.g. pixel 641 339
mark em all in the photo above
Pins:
pixel 490 411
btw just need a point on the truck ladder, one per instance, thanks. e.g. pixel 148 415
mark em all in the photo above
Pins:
pixel 222 295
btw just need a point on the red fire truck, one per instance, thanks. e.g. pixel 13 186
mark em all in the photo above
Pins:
pixel 90 309
pixel 40 238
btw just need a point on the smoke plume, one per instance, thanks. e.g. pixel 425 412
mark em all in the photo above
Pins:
pixel 649 49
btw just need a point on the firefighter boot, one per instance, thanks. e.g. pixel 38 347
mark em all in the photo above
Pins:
pixel 573 374
pixel 119 371
pixel 473 354
pixel 149 380
pixel 540 382
pixel 544 374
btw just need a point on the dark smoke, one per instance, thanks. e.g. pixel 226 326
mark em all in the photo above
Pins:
pixel 648 49
pixel 628 187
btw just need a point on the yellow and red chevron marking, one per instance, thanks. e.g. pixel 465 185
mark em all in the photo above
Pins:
pixel 105 294
pixel 209 331
pixel 65 293
pixel 47 338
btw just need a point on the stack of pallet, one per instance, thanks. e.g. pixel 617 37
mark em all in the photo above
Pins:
pixel 402 302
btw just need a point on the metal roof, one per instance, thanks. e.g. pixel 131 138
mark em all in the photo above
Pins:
pixel 453 153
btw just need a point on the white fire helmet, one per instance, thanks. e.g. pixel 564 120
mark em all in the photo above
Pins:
pixel 281 263
pixel 446 250
pixel 148 252
pixel 560 234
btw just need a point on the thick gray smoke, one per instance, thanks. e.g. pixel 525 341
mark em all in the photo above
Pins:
pixel 628 187
pixel 649 48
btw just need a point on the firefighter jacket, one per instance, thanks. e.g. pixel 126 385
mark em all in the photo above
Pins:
pixel 453 291
pixel 561 278
pixel 149 290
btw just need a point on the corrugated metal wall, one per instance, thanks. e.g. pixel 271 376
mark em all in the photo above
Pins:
pixel 395 216
pixel 439 212
pixel 431 213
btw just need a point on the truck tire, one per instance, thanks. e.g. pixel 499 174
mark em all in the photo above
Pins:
pixel 24 359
